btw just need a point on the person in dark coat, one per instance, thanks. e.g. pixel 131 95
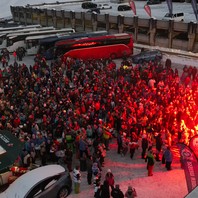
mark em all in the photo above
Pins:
pixel 97 188
pixel 145 144
pixel 119 142
pixel 159 143
pixel 105 192
pixel 83 147
pixel 116 192
pixel 109 177
pixel 43 154
pixel 68 158
pixel 130 193
pixel 133 144
pixel 168 158
pixel 89 169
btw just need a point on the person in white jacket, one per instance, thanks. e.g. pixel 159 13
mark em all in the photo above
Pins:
pixel 77 179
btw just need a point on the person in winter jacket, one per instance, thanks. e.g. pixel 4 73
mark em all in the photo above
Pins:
pixel 116 192
pixel 145 144
pixel 83 145
pixel 104 190
pixel 133 144
pixel 130 193
pixel 89 162
pixel 150 162
pixel 119 142
pixel 168 158
pixel 97 190
pixel 77 179
pixel 125 142
pixel 95 169
pixel 159 143
pixel 109 177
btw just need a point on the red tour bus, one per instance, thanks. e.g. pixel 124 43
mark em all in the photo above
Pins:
pixel 106 46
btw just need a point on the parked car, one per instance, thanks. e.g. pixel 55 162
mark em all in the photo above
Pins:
pixel 94 10
pixel 88 5
pixel 124 7
pixel 104 6
pixel 153 2
pixel 146 56
pixel 42 182
pixel 176 17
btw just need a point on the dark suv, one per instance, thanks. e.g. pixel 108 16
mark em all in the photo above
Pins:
pixel 88 5
pixel 146 56
pixel 124 7
pixel 153 2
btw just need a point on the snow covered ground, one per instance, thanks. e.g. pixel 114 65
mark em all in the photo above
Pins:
pixel 163 183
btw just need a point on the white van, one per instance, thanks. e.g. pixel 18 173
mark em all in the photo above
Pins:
pixel 176 17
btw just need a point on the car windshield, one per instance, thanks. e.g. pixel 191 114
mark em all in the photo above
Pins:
pixel 169 15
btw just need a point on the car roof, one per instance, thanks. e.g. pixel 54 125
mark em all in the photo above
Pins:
pixel 146 52
pixel 20 187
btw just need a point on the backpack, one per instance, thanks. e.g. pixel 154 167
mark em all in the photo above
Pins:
pixel 131 193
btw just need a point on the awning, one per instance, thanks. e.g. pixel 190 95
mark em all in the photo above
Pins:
pixel 10 148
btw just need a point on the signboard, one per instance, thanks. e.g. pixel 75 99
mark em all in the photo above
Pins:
pixel 190 165
pixel 10 148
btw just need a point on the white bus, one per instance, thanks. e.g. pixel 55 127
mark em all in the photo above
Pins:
pixel 19 39
pixel 4 34
pixel 20 27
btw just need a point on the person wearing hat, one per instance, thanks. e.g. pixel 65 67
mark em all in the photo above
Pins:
pixel 130 193
pixel 109 177
pixel 116 192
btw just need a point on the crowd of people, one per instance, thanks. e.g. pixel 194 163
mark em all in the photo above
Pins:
pixel 72 105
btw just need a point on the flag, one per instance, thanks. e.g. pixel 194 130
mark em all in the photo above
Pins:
pixel 148 9
pixel 193 144
pixel 170 6
pixel 190 165
pixel 132 5
pixel 194 6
